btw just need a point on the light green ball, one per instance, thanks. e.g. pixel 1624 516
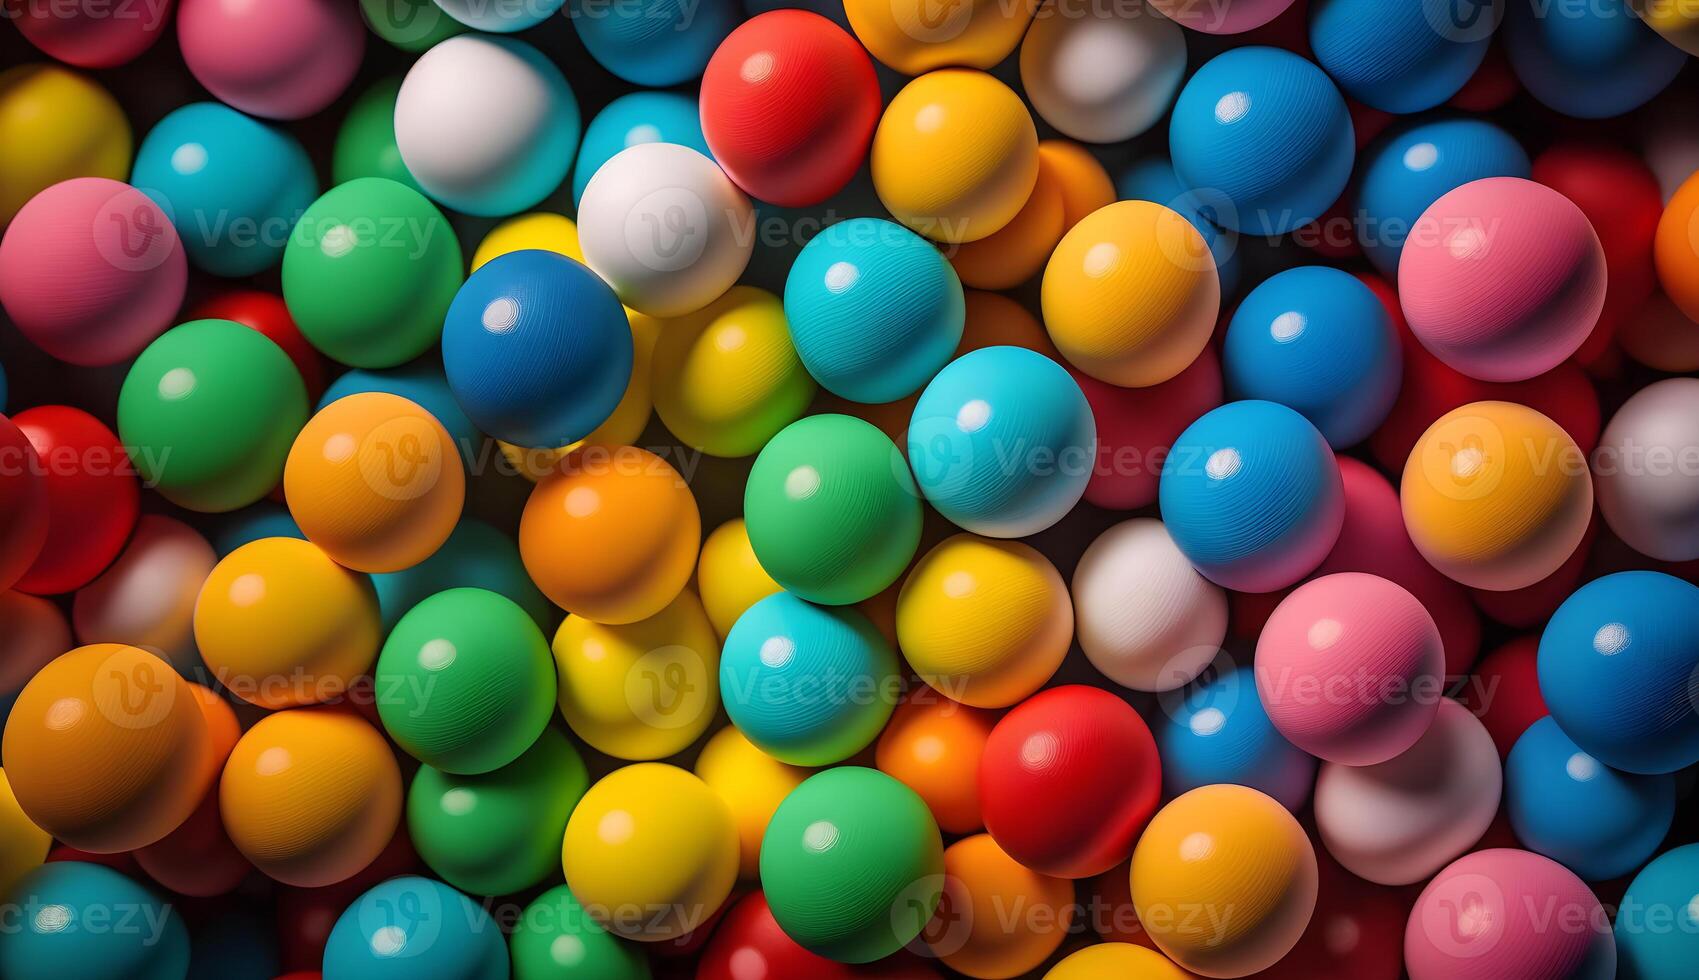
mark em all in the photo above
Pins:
pixel 365 145
pixel 411 25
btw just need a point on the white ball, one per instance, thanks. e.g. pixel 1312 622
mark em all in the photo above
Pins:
pixel 1646 470
pixel 1145 618
pixel 1400 821
pixel 147 597
pixel 500 16
pixel 1102 72
pixel 666 228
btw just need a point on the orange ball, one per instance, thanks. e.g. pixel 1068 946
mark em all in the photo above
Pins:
pixel 197 858
pixel 1676 248
pixel 375 481
pixel 1085 184
pixel 932 745
pixel 612 536
pixel 1017 251
pixel 995 320
pixel 107 749
pixel 311 795
pixel 997 919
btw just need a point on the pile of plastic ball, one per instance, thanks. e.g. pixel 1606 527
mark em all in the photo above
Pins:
pixel 719 489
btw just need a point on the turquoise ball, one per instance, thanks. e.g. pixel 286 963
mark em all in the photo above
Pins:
pixel 415 928
pixel 1657 922
pixel 475 556
pixel 633 119
pixel 77 921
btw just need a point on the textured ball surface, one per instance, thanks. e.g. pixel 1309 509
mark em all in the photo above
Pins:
pixel 752 784
pixel 1103 77
pixel 1593 64
pixel 74 937
pixel 1662 891
pixel 1638 470
pixel 555 933
pixel 654 44
pixel 147 596
pixel 1401 58
pixel 24 513
pixel 282 60
pixel 1676 252
pixel 93 497
pixel 933 746
pixel 447 934
pixel 729 577
pixel 1218 731
pixel 633 118
pixel 969 936
pixel 1136 428
pixel 912 39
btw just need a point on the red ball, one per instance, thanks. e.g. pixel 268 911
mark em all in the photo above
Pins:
pixel 267 313
pixel 23 504
pixel 93 497
pixel 1491 87
pixel 789 104
pixel 1068 780
pixel 90 35
pixel 1504 691
pixel 1357 930
pixel 1136 427
pixel 749 945
pixel 197 859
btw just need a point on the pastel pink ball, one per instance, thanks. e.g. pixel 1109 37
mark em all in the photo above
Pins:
pixel 1507 914
pixel 1350 668
pixel 1502 279
pixel 282 59
pixel 91 270
pixel 1222 16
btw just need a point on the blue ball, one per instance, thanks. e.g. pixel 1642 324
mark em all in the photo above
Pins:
pixel 1412 167
pixel 414 928
pixel 1592 60
pixel 874 310
pixel 264 519
pixel 1401 56
pixel 1317 340
pixel 809 685
pixel 1264 137
pixel 1002 442
pixel 633 119
pixel 75 921
pixel 655 43
pixel 1251 495
pixel 1216 731
pixel 1619 670
pixel 1152 179
pixel 1657 922
pixel 475 556
pixel 420 382
pixel 233 186
pixel 537 349
pixel 1567 805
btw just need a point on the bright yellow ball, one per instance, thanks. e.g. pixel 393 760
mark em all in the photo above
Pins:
pixel 1120 961
pixel 752 784
pixel 955 156
pixel 915 36
pixel 23 845
pixel 650 852
pixel 1131 294
pixel 539 230
pixel 55 125
pixel 730 576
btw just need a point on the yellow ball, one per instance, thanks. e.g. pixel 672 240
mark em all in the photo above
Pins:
pixel 1677 22
pixel 1122 961
pixel 997 919
pixel 539 230
pixel 914 36
pixel 1496 495
pixel 643 690
pixel 730 576
pixel 984 622
pixel 1131 294
pixel 1224 880
pixel 955 156
pixel 752 784
pixel 23 845
pixel 650 852
pixel 55 125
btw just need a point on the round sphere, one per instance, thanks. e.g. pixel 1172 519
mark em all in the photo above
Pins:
pixel 24 508
pixel 874 310
pixel 955 156
pixel 286 59
pixel 56 125
pixel 556 937
pixel 197 859
pixel 23 845
pixel 1229 17
pixel 1397 822
pixel 475 556
pixel 1496 495
pixel 410 927
pixel 1265 135
pixel 67 927
pixel 1403 58
pixel 36 632
pixel 311 796
pixel 1594 63
pixel 1103 74
pixel 421 382
pixel 1643 492
pixel 1676 253
pixel 666 228
pixel 1218 731
pixel 1117 960
pixel 1153 179
pixel 752 784
pixel 654 44
pixel 971 937
pixel 486 125
pixel 411 25
pixel 119 248
pixel 1017 251
pixel 933 746
pixel 911 38
pixel 542 230
pixel 1661 893
pixel 1042 785
pixel 92 497
pixel 633 118
pixel 748 942
pixel 984 622
pixel 268 314
pixel 147 596
pixel 89 37
pixel 729 576
pixel 651 852
pixel 1231 851
pixel 1131 294
pixel 365 145
pixel 1136 428
pixel 500 18
pixel 852 865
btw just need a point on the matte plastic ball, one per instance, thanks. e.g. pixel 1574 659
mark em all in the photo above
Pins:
pixel 651 852
pixel 1676 251
pixel 1116 960
pixel 752 784
pixel 268 314
pixel 66 926
pixel 147 596
pixel 1068 780
pixel 487 125
pixel 283 59
pixel 412 927
pixel 500 18
pixel 1153 179
pixel 1638 471
pixel 365 145
pixel 1265 135
pixel 729 576
pixel 1401 57
pixel 370 273
pixel 749 942
pixel 1136 427
pixel 1218 731
pixel 968 936
pixel 1102 74
pixel 1018 251
pixel 1224 880
pixel 1591 63
pixel 656 43
pixel 92 497
pixel 555 937
pixel 852 865
pixel 633 118
pixel 1251 495
pixel 56 125
pixel 90 36
pixel 24 507
pixel 23 845
pixel 120 251
pixel 912 38
pixel 475 556
pixel 421 382
pixel 410 25
pixel 666 228
pixel 1661 893
pixel 933 746
pixel 1496 495
pixel 955 156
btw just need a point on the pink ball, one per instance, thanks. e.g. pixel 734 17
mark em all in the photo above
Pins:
pixel 1502 279
pixel 1350 668
pixel 1223 17
pixel 1507 914
pixel 91 270
pixel 93 35
pixel 282 59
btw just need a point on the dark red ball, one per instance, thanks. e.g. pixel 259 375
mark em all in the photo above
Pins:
pixel 1504 691
pixel 1357 930
pixel 1136 428
pixel 749 945
pixel 197 859
pixel 267 313
pixel 23 504
pixel 93 497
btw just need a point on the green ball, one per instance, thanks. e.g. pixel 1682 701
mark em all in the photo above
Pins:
pixel 370 271
pixel 555 939
pixel 411 25
pixel 365 145
pixel 208 413
pixel 832 512
pixel 465 682
pixel 498 832
pixel 852 865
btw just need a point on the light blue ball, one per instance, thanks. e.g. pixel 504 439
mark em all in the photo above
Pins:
pixel 874 310
pixel 537 349
pixel 655 43
pixel 1412 167
pixel 1264 137
pixel 1216 731
pixel 808 685
pixel 233 186
pixel 1317 340
pixel 475 556
pixel 1251 495
pixel 1592 61
pixel 634 119
pixel 76 921
pixel 1152 179
pixel 1002 442
pixel 1657 922
pixel 1399 55
pixel 420 382
pixel 415 928
pixel 265 519
pixel 1619 670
